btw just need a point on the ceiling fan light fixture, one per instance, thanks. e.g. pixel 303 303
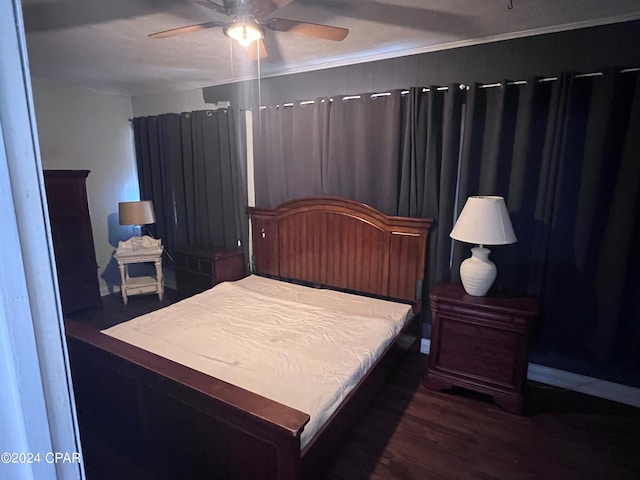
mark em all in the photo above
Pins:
pixel 245 33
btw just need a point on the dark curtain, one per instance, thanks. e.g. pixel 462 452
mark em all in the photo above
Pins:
pixel 564 155
pixel 493 158
pixel 157 141
pixel 591 283
pixel 364 144
pixel 289 144
pixel 193 167
pixel 430 152
pixel 339 147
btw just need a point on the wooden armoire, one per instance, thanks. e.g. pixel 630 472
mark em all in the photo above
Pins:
pixel 72 239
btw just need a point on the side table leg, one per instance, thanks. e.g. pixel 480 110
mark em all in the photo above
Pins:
pixel 160 279
pixel 123 278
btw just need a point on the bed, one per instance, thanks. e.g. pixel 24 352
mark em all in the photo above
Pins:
pixel 198 421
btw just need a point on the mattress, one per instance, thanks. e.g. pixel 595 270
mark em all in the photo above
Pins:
pixel 304 347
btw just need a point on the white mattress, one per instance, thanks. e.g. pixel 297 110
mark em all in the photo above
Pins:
pixel 300 346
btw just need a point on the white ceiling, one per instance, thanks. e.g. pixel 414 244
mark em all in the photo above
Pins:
pixel 103 44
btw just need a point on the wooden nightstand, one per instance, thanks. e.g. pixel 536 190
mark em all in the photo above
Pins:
pixel 200 268
pixel 481 343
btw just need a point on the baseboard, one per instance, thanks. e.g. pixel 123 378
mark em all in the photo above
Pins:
pixel 573 381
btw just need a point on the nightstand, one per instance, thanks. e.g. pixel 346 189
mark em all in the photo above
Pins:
pixel 200 268
pixel 140 250
pixel 481 343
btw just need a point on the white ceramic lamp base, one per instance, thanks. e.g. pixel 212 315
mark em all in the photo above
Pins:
pixel 478 272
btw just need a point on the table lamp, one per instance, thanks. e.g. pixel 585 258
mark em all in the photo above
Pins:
pixel 484 220
pixel 136 213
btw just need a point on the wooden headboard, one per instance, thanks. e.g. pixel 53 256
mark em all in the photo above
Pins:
pixel 342 244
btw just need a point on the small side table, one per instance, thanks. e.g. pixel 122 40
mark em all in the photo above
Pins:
pixel 481 343
pixel 140 250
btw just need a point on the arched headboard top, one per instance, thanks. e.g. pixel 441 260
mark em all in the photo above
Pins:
pixel 343 244
pixel 359 211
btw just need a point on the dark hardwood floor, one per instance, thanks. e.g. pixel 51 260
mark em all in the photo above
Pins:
pixel 412 433
pixel 114 311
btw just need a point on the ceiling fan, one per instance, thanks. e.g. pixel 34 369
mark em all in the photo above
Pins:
pixel 249 21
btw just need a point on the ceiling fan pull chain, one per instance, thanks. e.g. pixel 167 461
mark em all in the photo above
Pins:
pixel 510 5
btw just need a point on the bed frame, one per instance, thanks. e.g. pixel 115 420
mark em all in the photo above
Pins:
pixel 198 426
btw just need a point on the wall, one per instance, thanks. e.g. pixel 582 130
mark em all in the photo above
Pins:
pixel 82 129
pixel 582 50
pixel 178 102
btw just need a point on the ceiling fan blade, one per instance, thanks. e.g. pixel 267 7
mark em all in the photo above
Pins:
pixel 212 5
pixel 188 29
pixel 257 50
pixel 327 32
pixel 262 8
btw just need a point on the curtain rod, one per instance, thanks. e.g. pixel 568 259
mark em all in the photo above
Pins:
pixel 462 87
pixel 553 79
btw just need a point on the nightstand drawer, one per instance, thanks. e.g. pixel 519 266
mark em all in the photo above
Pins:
pixel 485 369
pixel 470 346
pixel 477 340
pixel 476 330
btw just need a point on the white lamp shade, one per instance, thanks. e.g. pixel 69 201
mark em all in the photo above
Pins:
pixel 136 213
pixel 484 220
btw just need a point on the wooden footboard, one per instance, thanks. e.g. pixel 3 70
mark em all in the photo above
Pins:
pixel 198 425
